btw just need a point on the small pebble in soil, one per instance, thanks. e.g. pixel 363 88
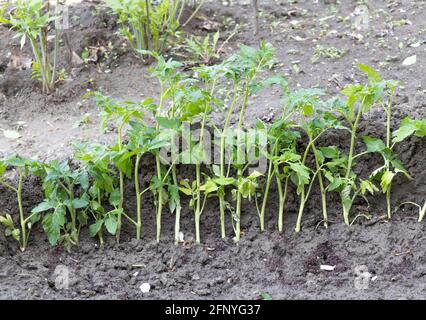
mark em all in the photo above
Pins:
pixel 145 287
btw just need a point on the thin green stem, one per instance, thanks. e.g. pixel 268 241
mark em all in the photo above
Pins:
pixel 21 213
pixel 346 209
pixel 267 187
pixel 56 48
pixel 303 201
pixel 121 178
pixel 198 203
pixel 130 219
pixel 198 178
pixel 387 164
pixel 178 208
pixel 282 199
pixel 194 13
pixel 221 191
pixel 240 171
pixel 10 187
pixel 322 188
pixel 159 175
pixel 138 198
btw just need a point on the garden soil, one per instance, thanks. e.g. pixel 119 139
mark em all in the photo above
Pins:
pixel 372 259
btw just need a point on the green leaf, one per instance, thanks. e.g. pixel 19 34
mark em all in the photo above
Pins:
pixel 265 296
pixel 330 152
pixel 7 221
pixel 17 161
pixel 44 206
pixel 215 168
pixel 95 228
pixel 345 196
pixel 174 200
pixel 386 181
pixel 372 74
pixel 335 184
pixel 409 127
pixel 367 185
pixel 209 187
pixel 84 181
pixel 115 198
pixel 3 168
pixel 16 234
pixel 254 175
pixel 222 181
pixel 111 224
pixel 173 124
pixel 185 191
pixel 374 144
pixel 406 129
pixel 308 110
pixel 80 203
pixel 52 230
pixel 58 216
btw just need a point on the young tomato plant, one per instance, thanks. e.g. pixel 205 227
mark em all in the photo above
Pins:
pixel 147 27
pixel 242 69
pixel 23 167
pixel 392 166
pixel 96 160
pixel 314 122
pixel 120 113
pixel 359 99
pixel 205 50
pixel 142 140
pixel 31 19
pixel 276 137
pixel 282 141
pixel 168 125
pixel 195 105
pixel 63 203
pixel 334 167
pixel 422 209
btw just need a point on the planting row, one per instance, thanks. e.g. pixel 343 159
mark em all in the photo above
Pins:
pixel 92 193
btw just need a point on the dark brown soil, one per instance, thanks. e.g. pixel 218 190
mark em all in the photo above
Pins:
pixel 390 255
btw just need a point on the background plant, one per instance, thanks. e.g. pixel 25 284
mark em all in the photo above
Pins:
pixel 147 26
pixel 31 19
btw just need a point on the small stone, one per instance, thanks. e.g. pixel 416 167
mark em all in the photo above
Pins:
pixel 196 277
pixel 145 287
pixel 409 61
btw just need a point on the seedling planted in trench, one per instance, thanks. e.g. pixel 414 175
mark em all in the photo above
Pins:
pixel 63 203
pixel 168 124
pixel 96 160
pixel 243 69
pixel 422 209
pixel 392 166
pixel 120 113
pixel 23 167
pixel 359 99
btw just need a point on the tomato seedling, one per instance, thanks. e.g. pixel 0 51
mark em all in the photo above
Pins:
pixel 23 166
